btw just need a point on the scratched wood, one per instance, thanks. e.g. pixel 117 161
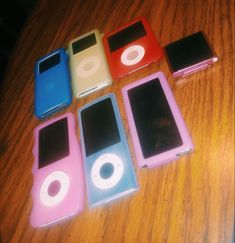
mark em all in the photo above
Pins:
pixel 189 200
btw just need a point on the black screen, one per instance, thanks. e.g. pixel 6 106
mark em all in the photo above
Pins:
pixel 53 142
pixel 155 124
pixel 99 126
pixel 188 51
pixel 49 62
pixel 84 43
pixel 126 36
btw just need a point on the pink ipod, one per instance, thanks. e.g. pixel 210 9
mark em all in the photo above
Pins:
pixel 157 128
pixel 131 47
pixel 58 187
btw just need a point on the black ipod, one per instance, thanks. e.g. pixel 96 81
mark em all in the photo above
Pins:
pixel 189 54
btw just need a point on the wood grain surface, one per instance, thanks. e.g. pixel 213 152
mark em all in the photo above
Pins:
pixel 189 200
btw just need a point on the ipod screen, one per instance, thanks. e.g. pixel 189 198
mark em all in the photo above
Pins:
pixel 126 36
pixel 99 126
pixel 53 142
pixel 188 51
pixel 155 124
pixel 49 62
pixel 84 43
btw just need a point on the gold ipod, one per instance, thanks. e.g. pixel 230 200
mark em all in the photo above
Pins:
pixel 88 64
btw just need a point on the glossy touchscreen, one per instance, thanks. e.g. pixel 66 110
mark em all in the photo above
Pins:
pixel 49 62
pixel 155 124
pixel 53 142
pixel 126 36
pixel 84 43
pixel 99 126
pixel 188 51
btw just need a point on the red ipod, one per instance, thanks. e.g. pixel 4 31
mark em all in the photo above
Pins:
pixel 131 47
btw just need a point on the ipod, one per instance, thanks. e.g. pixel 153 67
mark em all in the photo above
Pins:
pixel 58 187
pixel 52 87
pixel 189 54
pixel 157 128
pixel 131 47
pixel 89 68
pixel 108 167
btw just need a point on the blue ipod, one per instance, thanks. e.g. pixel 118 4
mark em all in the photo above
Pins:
pixel 52 87
pixel 109 170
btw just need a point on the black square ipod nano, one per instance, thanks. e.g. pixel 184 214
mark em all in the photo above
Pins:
pixel 189 54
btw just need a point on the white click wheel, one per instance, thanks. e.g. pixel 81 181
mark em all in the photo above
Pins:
pixel 88 66
pixel 54 188
pixel 107 171
pixel 132 55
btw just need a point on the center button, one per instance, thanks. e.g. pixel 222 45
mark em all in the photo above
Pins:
pixel 106 170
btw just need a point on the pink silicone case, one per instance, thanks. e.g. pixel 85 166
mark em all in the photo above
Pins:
pixel 169 155
pixel 72 166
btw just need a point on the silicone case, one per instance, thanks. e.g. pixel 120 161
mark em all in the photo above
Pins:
pixel 89 68
pixel 172 154
pixel 52 86
pixel 73 202
pixel 128 182
pixel 149 42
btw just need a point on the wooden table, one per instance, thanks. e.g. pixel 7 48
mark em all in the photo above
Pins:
pixel 189 200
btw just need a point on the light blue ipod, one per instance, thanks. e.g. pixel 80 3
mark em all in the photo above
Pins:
pixel 109 170
pixel 52 83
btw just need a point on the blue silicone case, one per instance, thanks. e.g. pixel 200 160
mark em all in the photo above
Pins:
pixel 128 182
pixel 52 87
